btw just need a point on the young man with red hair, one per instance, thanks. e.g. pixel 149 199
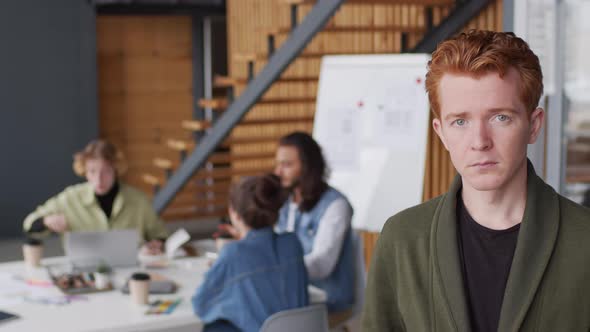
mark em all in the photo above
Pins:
pixel 501 250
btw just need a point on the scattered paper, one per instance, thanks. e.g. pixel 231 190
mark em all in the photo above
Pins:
pixel 175 241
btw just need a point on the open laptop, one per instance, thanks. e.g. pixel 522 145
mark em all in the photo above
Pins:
pixel 114 247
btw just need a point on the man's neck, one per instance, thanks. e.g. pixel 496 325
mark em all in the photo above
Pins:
pixel 296 198
pixel 498 209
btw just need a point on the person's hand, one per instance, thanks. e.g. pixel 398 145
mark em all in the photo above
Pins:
pixel 56 223
pixel 226 229
pixel 153 248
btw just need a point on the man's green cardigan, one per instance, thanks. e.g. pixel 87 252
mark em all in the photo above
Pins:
pixel 415 281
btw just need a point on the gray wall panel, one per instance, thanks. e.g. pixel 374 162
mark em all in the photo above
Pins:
pixel 48 101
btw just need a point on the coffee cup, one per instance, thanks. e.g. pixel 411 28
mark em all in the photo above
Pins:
pixel 33 252
pixel 139 287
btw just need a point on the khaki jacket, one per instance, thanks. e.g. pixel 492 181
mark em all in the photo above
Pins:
pixel 131 209
pixel 415 281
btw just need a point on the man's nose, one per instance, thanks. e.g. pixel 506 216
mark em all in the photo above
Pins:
pixel 480 138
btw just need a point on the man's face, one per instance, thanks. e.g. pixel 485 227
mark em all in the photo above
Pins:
pixel 288 166
pixel 485 127
pixel 100 174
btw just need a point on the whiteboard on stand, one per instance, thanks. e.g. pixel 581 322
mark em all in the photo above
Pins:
pixel 371 121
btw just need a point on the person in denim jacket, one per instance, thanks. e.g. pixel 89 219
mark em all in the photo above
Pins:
pixel 258 275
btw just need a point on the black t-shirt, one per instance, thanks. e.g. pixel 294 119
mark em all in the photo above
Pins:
pixel 486 256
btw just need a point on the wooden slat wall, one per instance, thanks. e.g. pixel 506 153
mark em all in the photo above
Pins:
pixel 145 87
pixel 246 18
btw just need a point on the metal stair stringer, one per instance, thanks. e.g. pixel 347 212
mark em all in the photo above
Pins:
pixel 457 19
pixel 314 21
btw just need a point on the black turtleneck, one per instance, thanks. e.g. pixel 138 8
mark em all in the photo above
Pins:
pixel 105 201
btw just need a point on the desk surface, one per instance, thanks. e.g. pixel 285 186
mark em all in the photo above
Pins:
pixel 113 310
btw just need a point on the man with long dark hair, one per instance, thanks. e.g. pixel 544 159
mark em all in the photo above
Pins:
pixel 321 218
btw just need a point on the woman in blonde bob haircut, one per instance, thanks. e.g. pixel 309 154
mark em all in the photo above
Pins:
pixel 100 149
pixel 100 203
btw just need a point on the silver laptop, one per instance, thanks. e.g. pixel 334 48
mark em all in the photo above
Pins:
pixel 114 247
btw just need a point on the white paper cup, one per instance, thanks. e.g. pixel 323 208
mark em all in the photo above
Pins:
pixel 139 287
pixel 33 252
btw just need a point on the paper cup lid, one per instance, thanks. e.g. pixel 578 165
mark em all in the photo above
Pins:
pixel 140 276
pixel 33 242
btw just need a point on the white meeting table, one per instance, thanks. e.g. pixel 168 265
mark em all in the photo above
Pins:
pixel 112 310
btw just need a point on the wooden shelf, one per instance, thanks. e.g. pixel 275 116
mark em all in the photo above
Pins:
pixel 215 104
pixel 163 163
pixel 151 179
pixel 225 81
pixel 180 145
pixel 195 125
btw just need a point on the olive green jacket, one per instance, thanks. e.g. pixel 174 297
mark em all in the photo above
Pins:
pixel 131 209
pixel 415 281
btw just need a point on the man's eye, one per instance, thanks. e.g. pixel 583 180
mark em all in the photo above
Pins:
pixel 460 122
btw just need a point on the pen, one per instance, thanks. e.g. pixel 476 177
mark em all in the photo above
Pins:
pixel 172 306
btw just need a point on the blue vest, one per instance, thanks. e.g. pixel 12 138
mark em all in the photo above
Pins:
pixel 339 285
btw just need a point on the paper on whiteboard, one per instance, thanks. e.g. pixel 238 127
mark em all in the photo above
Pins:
pixel 341 144
pixel 397 115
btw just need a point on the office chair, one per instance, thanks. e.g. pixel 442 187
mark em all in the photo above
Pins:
pixel 312 318
pixel 353 323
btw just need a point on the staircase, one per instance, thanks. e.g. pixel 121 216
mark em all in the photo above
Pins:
pixel 272 88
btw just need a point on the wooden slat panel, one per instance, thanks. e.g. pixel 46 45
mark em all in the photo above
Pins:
pixel 152 73
pixel 145 87
pixel 143 35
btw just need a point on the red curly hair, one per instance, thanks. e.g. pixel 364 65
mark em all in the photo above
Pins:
pixel 478 52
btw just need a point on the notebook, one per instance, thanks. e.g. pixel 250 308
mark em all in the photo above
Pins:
pixel 114 247
pixel 159 284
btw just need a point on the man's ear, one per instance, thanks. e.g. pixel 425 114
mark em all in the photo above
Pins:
pixel 437 125
pixel 536 123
